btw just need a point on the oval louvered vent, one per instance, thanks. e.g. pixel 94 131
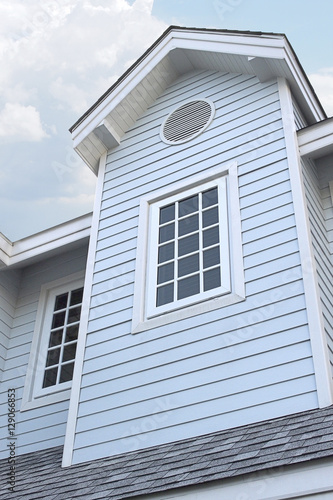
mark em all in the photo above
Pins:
pixel 187 121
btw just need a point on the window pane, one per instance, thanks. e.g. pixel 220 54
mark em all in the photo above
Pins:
pixel 188 225
pixel 188 245
pixel 55 338
pixel 76 297
pixel 166 252
pixel 165 273
pixel 210 217
pixel 211 257
pixel 188 286
pixel 66 372
pixel 61 301
pixel 74 314
pixel 69 352
pixel 71 333
pixel 58 319
pixel 164 294
pixel 50 377
pixel 53 357
pixel 211 236
pixel 166 233
pixel 209 198
pixel 188 265
pixel 167 213
pixel 188 206
pixel 212 279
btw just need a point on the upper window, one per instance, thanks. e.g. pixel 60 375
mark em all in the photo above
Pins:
pixel 53 348
pixel 188 252
pixel 189 244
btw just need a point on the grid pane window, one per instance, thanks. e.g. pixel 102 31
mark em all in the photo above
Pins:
pixel 189 254
pixel 63 338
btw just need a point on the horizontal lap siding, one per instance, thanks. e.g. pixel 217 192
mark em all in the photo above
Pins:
pixel 9 285
pixel 246 362
pixel 320 211
pixel 43 427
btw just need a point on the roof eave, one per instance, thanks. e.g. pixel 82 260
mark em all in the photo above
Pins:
pixel 93 134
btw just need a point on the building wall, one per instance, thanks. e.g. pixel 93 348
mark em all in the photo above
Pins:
pixel 246 362
pixel 9 286
pixel 320 208
pixel 43 427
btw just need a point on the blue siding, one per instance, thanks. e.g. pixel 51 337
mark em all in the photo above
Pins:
pixel 320 210
pixel 43 427
pixel 246 362
pixel 9 286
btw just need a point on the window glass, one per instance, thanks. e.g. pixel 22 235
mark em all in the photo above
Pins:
pixel 63 338
pixel 188 254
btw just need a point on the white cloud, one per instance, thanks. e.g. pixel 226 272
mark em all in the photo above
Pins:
pixel 21 123
pixel 323 85
pixel 69 94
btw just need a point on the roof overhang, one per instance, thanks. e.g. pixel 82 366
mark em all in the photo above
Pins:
pixel 316 141
pixel 176 52
pixel 50 242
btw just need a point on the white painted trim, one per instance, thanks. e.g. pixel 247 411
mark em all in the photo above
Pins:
pixel 310 480
pixel 251 45
pixel 323 374
pixel 32 398
pixel 317 140
pixel 237 294
pixel 81 345
pixel 50 240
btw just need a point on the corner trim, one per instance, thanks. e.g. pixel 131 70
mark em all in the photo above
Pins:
pixel 311 290
pixel 81 345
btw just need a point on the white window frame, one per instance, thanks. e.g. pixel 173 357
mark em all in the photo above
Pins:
pixel 232 290
pixel 34 395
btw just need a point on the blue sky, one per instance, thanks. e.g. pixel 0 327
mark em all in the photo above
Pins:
pixel 59 56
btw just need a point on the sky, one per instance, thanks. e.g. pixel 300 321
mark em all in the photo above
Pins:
pixel 57 57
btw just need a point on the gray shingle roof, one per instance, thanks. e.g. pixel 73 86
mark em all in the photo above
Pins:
pixel 280 442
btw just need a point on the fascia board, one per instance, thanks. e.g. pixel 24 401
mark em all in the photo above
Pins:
pixel 317 140
pixel 6 248
pixel 183 40
pixel 250 45
pixel 39 244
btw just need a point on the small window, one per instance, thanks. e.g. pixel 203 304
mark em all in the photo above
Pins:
pixel 53 349
pixel 188 252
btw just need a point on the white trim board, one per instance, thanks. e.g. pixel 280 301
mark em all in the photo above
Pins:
pixel 319 347
pixel 81 345
pixel 41 244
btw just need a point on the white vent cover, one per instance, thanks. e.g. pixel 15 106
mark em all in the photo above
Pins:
pixel 187 121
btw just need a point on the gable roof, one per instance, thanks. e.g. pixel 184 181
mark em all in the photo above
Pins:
pixel 285 441
pixel 178 51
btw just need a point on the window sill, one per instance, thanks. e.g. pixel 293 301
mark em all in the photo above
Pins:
pixel 186 312
pixel 46 400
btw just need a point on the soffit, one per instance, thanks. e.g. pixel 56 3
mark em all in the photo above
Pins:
pixel 177 52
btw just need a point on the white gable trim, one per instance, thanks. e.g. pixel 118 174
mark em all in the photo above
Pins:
pixel 81 345
pixel 317 140
pixel 269 55
pixel 312 296
pixel 51 240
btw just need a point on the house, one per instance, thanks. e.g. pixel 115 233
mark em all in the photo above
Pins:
pixel 197 298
